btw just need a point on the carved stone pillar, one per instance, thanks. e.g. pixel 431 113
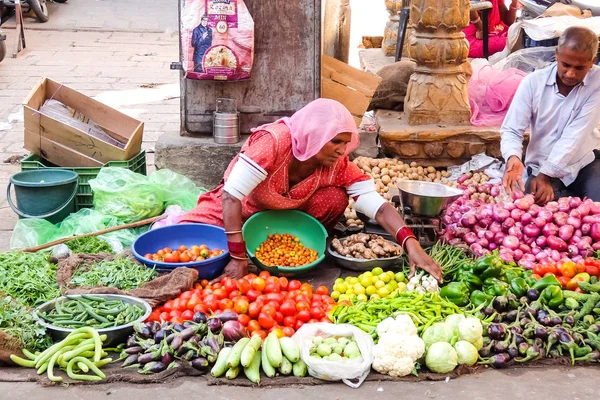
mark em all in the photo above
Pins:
pixel 437 91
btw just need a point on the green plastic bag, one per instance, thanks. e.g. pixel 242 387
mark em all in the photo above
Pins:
pixel 132 197
pixel 33 232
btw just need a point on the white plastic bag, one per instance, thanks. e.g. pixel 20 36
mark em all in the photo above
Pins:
pixel 351 372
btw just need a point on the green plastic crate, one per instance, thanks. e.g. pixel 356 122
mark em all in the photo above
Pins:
pixel 85 197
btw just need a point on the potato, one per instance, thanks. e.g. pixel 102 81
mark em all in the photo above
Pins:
pixel 430 169
pixel 385 179
pixel 385 171
pixel 413 164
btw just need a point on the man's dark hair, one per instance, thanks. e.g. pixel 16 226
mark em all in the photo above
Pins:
pixel 579 39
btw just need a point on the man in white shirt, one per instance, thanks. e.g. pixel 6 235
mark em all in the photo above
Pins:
pixel 561 105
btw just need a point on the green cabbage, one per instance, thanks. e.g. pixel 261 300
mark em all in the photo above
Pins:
pixel 470 329
pixel 478 344
pixel 441 358
pixel 466 352
pixel 453 320
pixel 438 332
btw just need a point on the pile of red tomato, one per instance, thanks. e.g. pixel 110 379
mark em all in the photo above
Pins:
pixel 183 254
pixel 568 273
pixel 263 303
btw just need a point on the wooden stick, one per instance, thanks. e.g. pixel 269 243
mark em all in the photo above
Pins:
pixel 103 231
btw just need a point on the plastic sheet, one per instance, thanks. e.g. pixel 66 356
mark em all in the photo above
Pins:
pixel 133 197
pixel 528 60
pixel 33 232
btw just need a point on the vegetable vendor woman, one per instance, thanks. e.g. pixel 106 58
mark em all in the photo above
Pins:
pixel 301 163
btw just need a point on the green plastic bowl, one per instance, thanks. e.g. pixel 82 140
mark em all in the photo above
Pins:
pixel 310 231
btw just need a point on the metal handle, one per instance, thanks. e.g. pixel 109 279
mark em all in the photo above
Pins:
pixel 49 214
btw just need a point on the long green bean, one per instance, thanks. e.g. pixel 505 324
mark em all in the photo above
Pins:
pixel 121 273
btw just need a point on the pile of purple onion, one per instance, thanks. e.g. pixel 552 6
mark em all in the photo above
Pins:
pixel 522 231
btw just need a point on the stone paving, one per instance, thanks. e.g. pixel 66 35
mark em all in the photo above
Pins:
pixel 126 70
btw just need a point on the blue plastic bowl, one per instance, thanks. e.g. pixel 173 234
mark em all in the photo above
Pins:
pixel 189 235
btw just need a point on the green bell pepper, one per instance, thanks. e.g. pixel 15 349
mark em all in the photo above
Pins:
pixel 518 286
pixel 530 281
pixel 495 287
pixel 511 274
pixel 490 266
pixel 478 298
pixel 546 281
pixel 552 296
pixel 456 292
pixel 472 281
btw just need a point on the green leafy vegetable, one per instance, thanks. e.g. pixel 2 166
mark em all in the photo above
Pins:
pixel 28 277
pixel 121 273
pixel 16 320
pixel 89 245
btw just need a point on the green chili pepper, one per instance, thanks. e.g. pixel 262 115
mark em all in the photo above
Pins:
pixel 546 281
pixel 518 286
pixel 456 292
pixel 478 298
pixel 552 296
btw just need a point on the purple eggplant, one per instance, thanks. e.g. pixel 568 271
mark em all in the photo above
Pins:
pixel 147 357
pixel 541 332
pixel 131 341
pixel 154 327
pixel 500 346
pixel 532 294
pixel 569 320
pixel 227 316
pixel 511 316
pixel 132 359
pixel 178 327
pixel 516 330
pixel 523 300
pixel 215 325
pixel 154 367
pixel 497 360
pixel 488 311
pixel 159 336
pixel 500 303
pixel 519 339
pixel 497 331
pixel 523 348
pixel 200 317
pixel 532 353
pixel 513 351
pixel 201 364
pixel 177 341
pixel 167 358
pixel 170 338
pixel 595 329
pixel 568 343
pixel 187 333
pixel 486 351
pixel 524 321
pixel 188 355
pixel 134 350
pixel 594 356
pixel 531 312
pixel 556 320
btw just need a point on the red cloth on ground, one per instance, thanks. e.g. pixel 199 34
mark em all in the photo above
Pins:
pixel 321 195
pixel 498 32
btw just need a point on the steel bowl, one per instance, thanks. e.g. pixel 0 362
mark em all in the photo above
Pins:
pixel 115 335
pixel 427 199
pixel 357 264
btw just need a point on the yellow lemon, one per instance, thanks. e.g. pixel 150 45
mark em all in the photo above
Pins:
pixel 362 297
pixel 377 271
pixel 366 281
pixel 371 290
pixel 353 280
pixel 385 278
pixel 383 292
pixel 349 291
pixel 358 289
pixel 374 297
pixel 335 295
pixel 400 277
pixel 379 284
pixel 340 287
pixel 339 280
pixel 344 297
pixel 401 287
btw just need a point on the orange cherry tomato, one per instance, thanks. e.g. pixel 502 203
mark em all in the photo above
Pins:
pixel 261 333
pixel 220 294
pixel 225 304
pixel 253 325
pixel 322 290
pixel 258 284
pixel 244 319
pixel 185 257
pixel 241 306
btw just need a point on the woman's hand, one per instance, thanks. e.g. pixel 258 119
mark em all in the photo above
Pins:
pixel 418 258
pixel 236 269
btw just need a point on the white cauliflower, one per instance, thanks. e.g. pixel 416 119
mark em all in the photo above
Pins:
pixel 394 366
pixel 399 346
pixel 422 283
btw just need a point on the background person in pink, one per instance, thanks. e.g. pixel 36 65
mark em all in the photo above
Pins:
pixel 300 163
pixel 500 18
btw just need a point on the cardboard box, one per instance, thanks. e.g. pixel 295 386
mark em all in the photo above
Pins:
pixel 65 145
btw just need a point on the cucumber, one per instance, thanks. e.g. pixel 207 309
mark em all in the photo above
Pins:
pixel 299 368
pixel 250 351
pixel 273 349
pixel 221 364
pixel 290 349
pixel 232 373
pixel 233 360
pixel 286 366
pixel 266 365
pixel 252 372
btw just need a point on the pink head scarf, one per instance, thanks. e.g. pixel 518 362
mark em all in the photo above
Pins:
pixel 316 124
